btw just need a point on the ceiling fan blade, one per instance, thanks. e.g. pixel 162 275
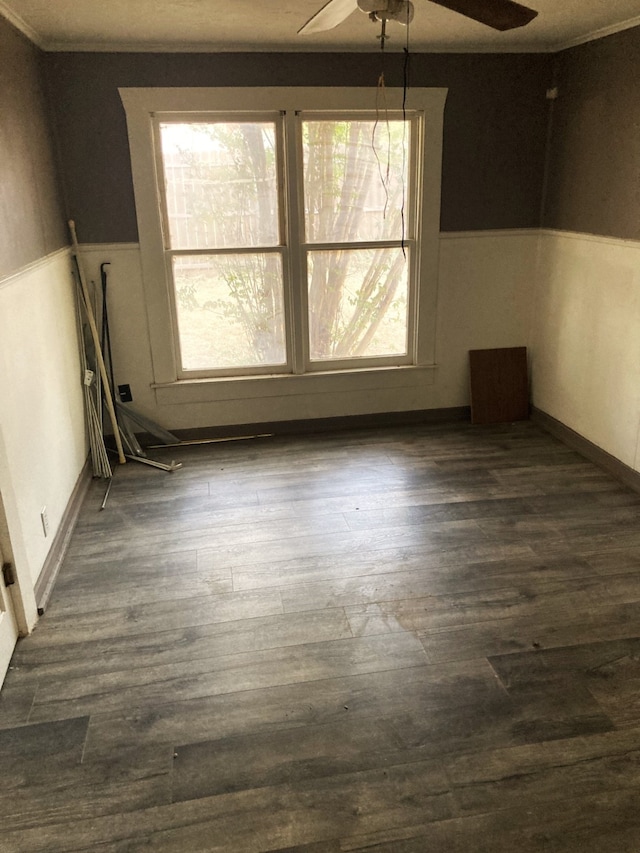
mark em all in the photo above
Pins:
pixel 499 14
pixel 332 13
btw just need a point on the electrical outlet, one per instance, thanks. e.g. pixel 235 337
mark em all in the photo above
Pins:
pixel 124 392
pixel 44 518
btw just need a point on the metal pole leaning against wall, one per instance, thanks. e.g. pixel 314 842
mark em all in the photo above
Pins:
pixel 107 390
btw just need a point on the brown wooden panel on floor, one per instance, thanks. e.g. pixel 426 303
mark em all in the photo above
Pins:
pixel 397 640
pixel 499 385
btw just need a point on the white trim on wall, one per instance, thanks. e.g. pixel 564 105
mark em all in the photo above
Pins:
pixel 479 234
pixel 593 238
pixel 490 233
pixel 109 247
pixel 33 266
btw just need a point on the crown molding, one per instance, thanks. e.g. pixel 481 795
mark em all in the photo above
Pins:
pixel 594 35
pixel 209 47
pixel 22 26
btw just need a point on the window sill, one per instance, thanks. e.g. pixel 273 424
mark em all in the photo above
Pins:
pixel 185 391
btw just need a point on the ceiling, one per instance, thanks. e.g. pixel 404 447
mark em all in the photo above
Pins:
pixel 272 25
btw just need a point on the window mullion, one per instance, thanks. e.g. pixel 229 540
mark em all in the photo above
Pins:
pixel 296 294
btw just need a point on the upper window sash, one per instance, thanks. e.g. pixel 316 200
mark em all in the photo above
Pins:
pixel 240 209
pixel 357 175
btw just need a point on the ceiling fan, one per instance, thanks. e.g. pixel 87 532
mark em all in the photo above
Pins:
pixel 498 14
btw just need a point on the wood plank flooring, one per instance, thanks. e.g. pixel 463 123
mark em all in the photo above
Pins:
pixel 398 641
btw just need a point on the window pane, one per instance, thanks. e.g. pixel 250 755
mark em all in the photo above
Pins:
pixel 357 303
pixel 229 310
pixel 354 174
pixel 220 181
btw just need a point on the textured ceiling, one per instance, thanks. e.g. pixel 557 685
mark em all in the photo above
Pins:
pixel 272 25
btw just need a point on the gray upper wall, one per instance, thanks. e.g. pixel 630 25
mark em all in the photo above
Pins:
pixel 494 143
pixel 594 166
pixel 31 216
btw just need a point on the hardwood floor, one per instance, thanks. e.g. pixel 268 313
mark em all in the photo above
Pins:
pixel 398 641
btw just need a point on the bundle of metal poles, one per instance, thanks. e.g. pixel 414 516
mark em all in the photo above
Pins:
pixel 92 404
pixel 106 391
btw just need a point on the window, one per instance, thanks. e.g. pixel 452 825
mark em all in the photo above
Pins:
pixel 358 236
pixel 286 231
pixel 222 217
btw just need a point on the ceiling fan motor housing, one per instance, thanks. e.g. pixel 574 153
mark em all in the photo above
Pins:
pixel 388 10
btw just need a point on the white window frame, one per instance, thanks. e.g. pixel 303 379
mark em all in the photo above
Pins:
pixel 143 105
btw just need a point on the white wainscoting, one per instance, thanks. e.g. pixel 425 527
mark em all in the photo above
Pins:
pixel 485 299
pixel 43 446
pixel 585 342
